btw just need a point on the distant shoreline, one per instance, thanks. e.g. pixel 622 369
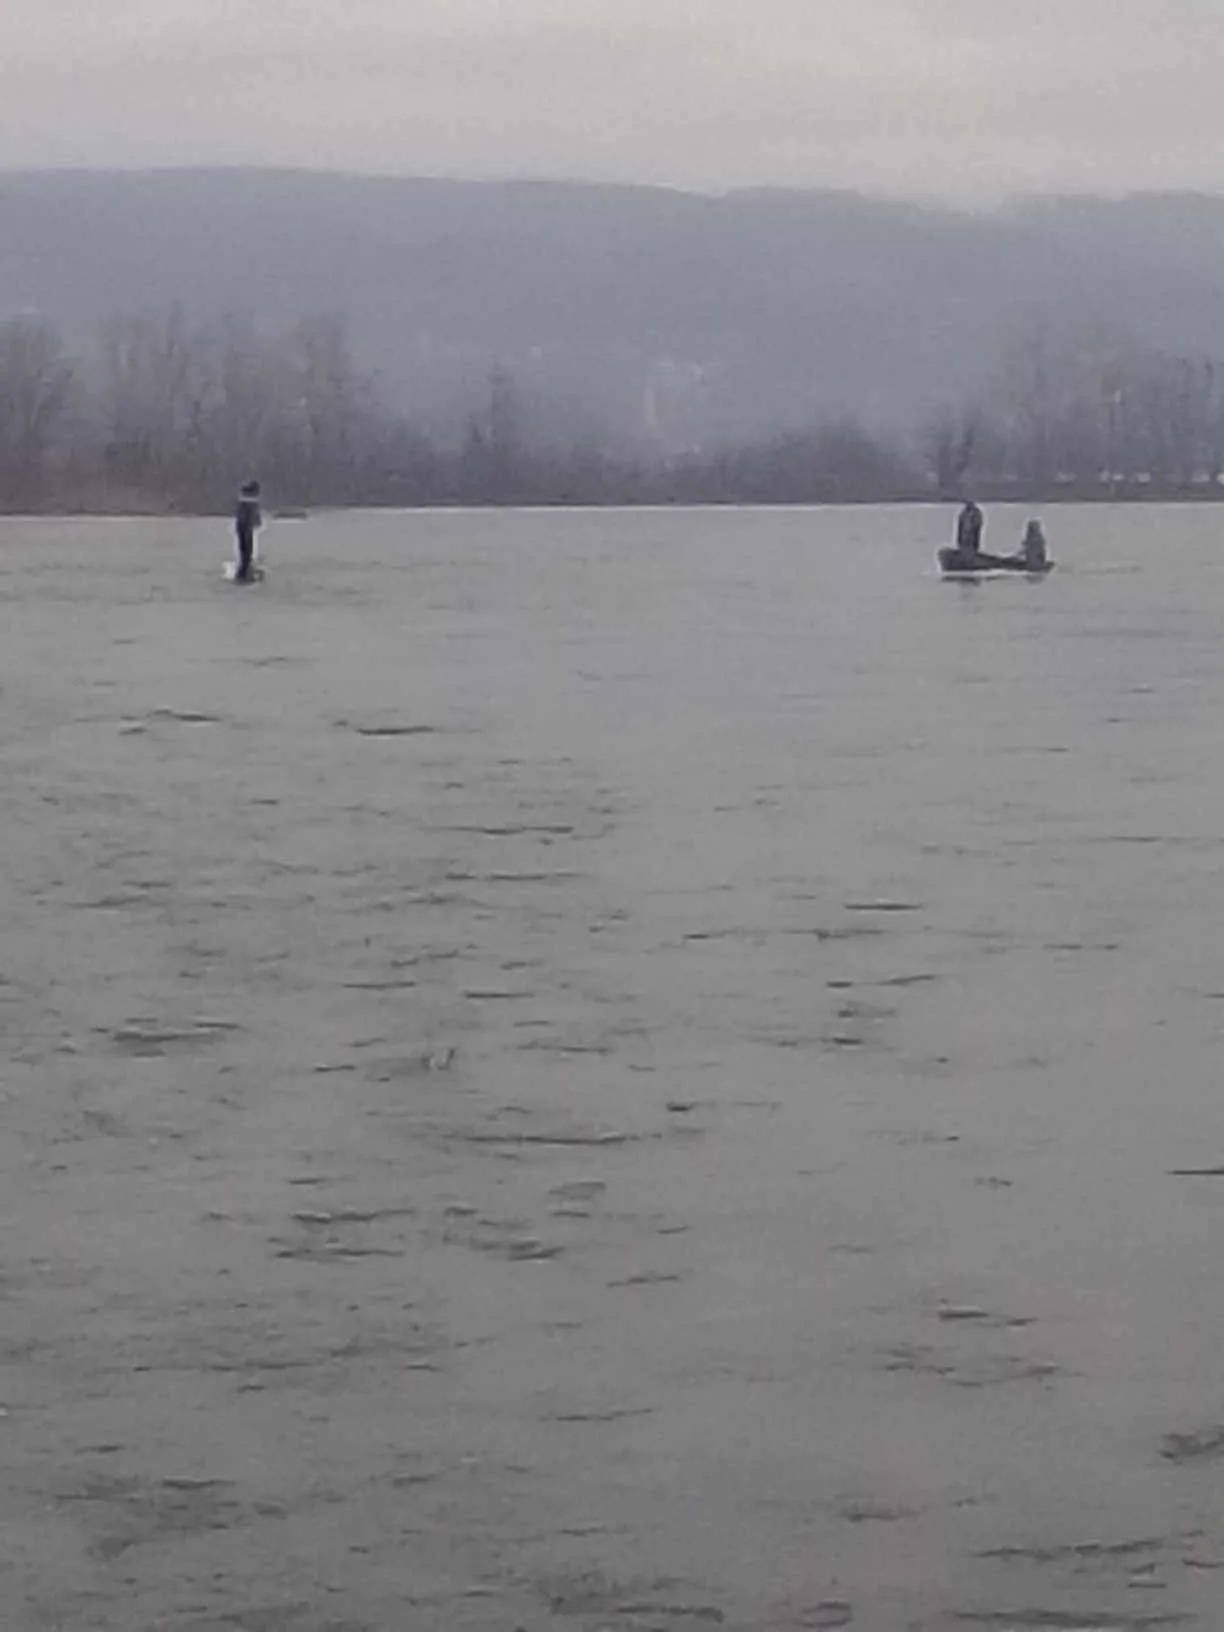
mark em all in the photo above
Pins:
pixel 292 515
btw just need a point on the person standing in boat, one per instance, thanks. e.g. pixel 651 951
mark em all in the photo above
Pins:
pixel 248 519
pixel 1036 555
pixel 969 525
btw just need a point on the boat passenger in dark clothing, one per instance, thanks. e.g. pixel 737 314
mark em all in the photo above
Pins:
pixel 969 526
pixel 1036 556
pixel 247 522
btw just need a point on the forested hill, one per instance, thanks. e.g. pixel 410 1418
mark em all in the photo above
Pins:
pixel 628 310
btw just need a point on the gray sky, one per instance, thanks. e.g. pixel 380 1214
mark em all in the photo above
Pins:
pixel 962 99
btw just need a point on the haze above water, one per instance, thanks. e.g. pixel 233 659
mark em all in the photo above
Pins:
pixel 612 1070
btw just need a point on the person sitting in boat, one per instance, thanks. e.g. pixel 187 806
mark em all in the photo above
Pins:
pixel 1036 555
pixel 969 525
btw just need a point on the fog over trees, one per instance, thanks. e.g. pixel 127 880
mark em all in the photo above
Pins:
pixel 412 343
pixel 170 413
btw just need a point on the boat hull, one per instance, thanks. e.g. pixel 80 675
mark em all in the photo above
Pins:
pixel 955 564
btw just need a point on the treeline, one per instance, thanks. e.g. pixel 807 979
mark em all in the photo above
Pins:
pixel 168 414
pixel 1083 411
pixel 165 413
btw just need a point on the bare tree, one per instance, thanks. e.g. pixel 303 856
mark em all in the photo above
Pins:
pixel 36 387
pixel 158 392
pixel 947 440
pixel 335 401
pixel 1028 386
pixel 254 414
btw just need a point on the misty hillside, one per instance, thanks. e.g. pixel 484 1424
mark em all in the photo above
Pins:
pixel 634 310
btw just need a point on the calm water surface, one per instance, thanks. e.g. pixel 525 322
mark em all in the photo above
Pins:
pixel 884 913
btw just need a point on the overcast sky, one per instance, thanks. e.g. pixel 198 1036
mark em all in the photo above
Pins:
pixel 963 99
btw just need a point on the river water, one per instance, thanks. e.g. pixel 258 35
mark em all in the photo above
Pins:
pixel 612 1070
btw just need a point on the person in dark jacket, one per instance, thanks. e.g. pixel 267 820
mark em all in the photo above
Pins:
pixel 969 525
pixel 248 519
pixel 1036 555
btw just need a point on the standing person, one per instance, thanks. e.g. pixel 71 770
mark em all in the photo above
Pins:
pixel 969 525
pixel 248 519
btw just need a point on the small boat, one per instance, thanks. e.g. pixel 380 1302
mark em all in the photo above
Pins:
pixel 954 563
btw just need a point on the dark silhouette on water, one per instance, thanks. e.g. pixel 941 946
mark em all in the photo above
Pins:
pixel 248 519
pixel 969 527
pixel 1036 555
pixel 966 558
